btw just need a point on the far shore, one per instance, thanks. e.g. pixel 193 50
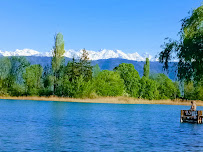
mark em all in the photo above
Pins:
pixel 115 100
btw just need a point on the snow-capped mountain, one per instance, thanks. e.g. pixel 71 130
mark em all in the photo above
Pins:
pixel 93 55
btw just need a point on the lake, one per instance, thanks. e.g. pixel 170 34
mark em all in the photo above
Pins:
pixel 62 126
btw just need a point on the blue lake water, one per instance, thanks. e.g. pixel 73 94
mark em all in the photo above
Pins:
pixel 60 126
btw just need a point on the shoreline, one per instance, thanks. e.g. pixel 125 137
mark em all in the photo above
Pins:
pixel 112 100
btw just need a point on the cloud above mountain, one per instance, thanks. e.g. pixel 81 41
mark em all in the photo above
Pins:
pixel 93 55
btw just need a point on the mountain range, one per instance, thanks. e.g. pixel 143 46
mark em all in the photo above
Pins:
pixel 110 64
pixel 93 55
pixel 106 59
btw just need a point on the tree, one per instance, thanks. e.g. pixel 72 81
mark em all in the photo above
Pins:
pixel 193 91
pixel 109 83
pixel 18 65
pixel 57 59
pixel 48 81
pixel 96 71
pixel 72 70
pixel 146 68
pixel 82 68
pixel 15 79
pixel 167 89
pixel 148 89
pixel 32 77
pixel 131 78
pixel 85 67
pixel 5 67
pixel 189 49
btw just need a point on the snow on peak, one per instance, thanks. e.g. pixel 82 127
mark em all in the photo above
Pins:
pixel 93 55
pixel 24 52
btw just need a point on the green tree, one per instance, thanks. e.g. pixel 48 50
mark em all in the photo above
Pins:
pixel 32 77
pixel 96 71
pixel 146 68
pixel 148 89
pixel 199 92
pixel 72 70
pixel 48 81
pixel 5 67
pixel 82 68
pixel 189 90
pixel 193 90
pixel 15 79
pixel 58 58
pixel 18 65
pixel 167 89
pixel 85 67
pixel 188 50
pixel 131 78
pixel 109 83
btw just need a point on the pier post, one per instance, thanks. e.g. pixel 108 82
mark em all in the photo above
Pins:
pixel 181 115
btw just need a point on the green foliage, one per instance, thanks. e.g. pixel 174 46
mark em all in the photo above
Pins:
pixel 189 90
pixel 109 83
pixel 17 90
pixel 32 77
pixel 5 67
pixel 193 91
pixel 58 52
pixel 146 68
pixel 57 58
pixel 188 49
pixel 85 68
pixel 131 78
pixel 178 88
pixel 148 89
pixel 11 70
pixel 18 65
pixel 199 92
pixel 167 89
pixel 78 88
pixel 96 71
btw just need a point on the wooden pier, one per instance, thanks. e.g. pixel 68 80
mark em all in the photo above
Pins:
pixel 191 116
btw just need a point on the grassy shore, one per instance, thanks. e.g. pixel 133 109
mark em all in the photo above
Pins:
pixel 116 100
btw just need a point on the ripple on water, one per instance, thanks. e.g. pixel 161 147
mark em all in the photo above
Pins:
pixel 59 126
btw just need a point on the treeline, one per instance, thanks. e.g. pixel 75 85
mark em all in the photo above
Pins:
pixel 79 79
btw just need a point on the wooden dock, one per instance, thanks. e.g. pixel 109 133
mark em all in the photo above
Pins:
pixel 191 116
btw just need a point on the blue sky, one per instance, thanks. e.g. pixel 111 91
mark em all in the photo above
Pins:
pixel 129 25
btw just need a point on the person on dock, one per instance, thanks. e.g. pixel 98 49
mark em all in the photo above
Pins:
pixel 193 106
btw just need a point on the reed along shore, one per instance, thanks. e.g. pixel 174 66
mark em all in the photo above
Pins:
pixel 114 100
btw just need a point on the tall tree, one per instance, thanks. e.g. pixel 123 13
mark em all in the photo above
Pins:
pixel 146 68
pixel 72 70
pixel 57 59
pixel 85 67
pixel 189 49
